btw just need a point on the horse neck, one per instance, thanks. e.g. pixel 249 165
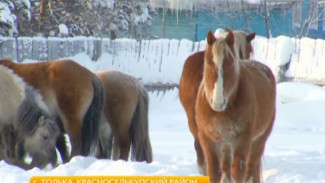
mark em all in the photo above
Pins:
pixel 8 63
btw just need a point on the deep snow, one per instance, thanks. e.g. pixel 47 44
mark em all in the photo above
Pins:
pixel 295 151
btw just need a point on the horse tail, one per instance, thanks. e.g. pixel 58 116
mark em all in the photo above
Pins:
pixel 139 130
pixel 92 118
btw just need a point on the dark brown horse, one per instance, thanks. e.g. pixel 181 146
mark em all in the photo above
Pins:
pixel 73 95
pixel 126 111
pixel 235 110
pixel 192 77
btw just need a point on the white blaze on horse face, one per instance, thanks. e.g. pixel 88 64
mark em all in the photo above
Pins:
pixel 218 102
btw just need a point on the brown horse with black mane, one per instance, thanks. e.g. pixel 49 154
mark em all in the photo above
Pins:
pixel 192 77
pixel 235 111
pixel 74 96
pixel 126 112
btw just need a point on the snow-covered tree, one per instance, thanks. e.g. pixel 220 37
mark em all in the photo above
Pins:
pixel 13 13
pixel 132 18
pixel 105 18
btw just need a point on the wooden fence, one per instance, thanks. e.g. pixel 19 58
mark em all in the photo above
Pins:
pixel 289 58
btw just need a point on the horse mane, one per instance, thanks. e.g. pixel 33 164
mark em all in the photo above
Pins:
pixel 221 45
pixel 240 43
pixel 30 112
pixel 26 100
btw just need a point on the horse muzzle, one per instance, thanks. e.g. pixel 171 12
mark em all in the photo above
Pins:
pixel 218 106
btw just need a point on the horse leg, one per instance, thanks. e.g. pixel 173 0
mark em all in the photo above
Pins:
pixel 240 155
pixel 1 148
pixel 20 150
pixel 121 117
pixel 76 143
pixel 200 157
pixel 105 146
pixel 116 148
pixel 124 145
pixel 61 145
pixel 211 158
pixel 72 126
pixel 9 141
pixel 105 139
pixel 226 164
pixel 253 162
pixel 253 171
pixel 53 157
pixel 193 128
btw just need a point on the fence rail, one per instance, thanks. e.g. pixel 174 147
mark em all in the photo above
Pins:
pixel 289 58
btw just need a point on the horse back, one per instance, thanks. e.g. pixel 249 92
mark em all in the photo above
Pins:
pixel 191 78
pixel 120 95
pixel 260 75
pixel 70 83
pixel 60 79
pixel 261 81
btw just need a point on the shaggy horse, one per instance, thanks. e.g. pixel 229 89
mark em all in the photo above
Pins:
pixel 126 111
pixel 74 96
pixel 192 77
pixel 235 110
pixel 25 123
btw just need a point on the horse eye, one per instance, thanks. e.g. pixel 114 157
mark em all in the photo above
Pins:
pixel 45 137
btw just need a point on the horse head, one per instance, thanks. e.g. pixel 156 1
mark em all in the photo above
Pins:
pixel 221 70
pixel 41 144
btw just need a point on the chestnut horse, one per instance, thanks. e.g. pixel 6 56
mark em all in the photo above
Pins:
pixel 192 77
pixel 126 111
pixel 235 110
pixel 74 96
pixel 25 123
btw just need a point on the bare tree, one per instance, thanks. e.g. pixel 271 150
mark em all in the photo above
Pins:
pixel 312 19
pixel 266 18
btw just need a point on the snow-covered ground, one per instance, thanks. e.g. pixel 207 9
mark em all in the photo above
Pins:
pixel 295 151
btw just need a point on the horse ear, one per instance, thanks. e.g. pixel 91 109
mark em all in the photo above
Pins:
pixel 227 29
pixel 250 37
pixel 230 38
pixel 210 38
pixel 41 120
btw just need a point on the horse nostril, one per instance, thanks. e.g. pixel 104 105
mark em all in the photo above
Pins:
pixel 45 137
